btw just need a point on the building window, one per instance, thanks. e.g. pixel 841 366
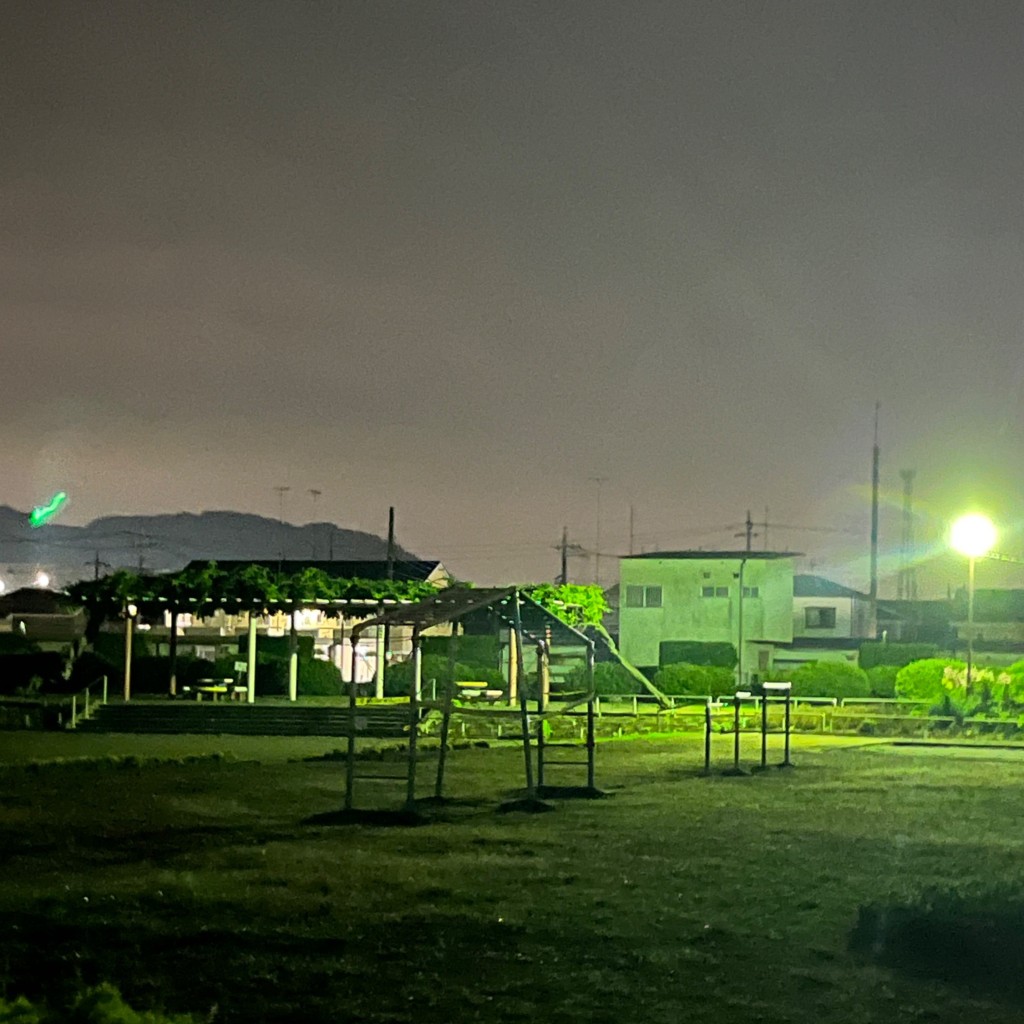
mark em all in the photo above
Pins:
pixel 820 618
pixel 643 597
pixel 721 591
pixel 714 591
pixel 751 592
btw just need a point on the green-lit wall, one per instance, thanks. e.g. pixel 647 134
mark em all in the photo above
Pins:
pixel 686 615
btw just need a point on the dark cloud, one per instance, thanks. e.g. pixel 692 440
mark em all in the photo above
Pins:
pixel 464 257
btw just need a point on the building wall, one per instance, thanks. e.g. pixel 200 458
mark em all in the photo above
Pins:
pixel 687 615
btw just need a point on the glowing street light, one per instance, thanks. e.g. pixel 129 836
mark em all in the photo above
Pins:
pixel 973 536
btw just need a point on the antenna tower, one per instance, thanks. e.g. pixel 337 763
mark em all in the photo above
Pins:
pixel 906 583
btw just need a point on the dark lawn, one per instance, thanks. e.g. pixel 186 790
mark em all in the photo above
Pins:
pixel 201 885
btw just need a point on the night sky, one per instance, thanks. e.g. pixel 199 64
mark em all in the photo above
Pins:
pixel 465 257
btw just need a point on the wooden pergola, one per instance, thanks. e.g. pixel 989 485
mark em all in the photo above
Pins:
pixel 133 608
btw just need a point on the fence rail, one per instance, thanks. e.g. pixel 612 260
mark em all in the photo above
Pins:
pixel 82 702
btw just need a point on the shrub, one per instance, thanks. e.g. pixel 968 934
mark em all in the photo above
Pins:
pixel 923 680
pixel 695 652
pixel 398 677
pixel 882 680
pixel 319 678
pixel 830 679
pixel 877 653
pixel 710 680
pixel 610 678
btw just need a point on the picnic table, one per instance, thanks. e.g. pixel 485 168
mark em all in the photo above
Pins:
pixel 215 688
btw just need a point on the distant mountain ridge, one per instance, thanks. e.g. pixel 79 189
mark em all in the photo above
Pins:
pixel 171 540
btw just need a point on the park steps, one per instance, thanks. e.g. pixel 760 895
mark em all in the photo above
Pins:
pixel 224 718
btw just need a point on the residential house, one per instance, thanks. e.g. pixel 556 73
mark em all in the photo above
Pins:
pixel 830 622
pixel 741 597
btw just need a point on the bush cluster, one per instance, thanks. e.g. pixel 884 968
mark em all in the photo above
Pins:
pixel 875 653
pixel 398 677
pixel 696 652
pixel 704 680
pixel 610 679
pixel 830 679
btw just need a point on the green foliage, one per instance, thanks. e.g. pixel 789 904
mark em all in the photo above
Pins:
pixel 319 678
pixel 479 649
pixel 924 680
pixel 249 586
pixel 705 680
pixel 398 677
pixel 575 604
pixel 694 652
pixel 609 678
pixel 21 1011
pixel 102 1004
pixel 830 679
pixel 882 680
pixel 875 653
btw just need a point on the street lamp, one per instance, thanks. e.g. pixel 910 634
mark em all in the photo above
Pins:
pixel 974 537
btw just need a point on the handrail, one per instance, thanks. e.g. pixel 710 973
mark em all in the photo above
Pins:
pixel 75 716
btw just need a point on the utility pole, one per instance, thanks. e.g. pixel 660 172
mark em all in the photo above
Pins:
pixel 282 490
pixel 873 588
pixel 566 549
pixel 748 531
pixel 96 565
pixel 906 582
pixel 599 480
pixel 314 494
pixel 391 542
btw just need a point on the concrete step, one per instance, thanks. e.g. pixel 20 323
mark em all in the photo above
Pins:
pixel 245 719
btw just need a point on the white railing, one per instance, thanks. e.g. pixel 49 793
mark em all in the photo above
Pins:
pixel 82 699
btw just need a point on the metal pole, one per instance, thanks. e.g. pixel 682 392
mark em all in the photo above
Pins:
pixel 524 711
pixel 350 758
pixel 591 738
pixel 740 685
pixel 74 710
pixel 970 619
pixel 764 730
pixel 707 737
pixel 414 718
pixel 104 689
pixel 736 734
pixel 786 763
pixel 446 714
pixel 540 753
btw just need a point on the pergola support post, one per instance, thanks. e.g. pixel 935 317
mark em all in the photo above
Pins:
pixel 446 713
pixel 524 711
pixel 250 659
pixel 293 659
pixel 129 633
pixel 414 718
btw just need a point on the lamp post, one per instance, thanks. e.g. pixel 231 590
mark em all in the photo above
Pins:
pixel 972 536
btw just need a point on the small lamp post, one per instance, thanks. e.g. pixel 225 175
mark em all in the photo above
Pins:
pixel 972 536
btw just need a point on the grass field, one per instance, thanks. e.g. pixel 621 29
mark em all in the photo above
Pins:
pixel 203 886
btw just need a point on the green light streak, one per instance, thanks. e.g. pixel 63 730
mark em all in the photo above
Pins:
pixel 44 513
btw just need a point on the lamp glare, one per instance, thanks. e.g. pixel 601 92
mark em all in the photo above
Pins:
pixel 973 535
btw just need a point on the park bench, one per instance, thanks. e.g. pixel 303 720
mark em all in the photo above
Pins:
pixel 478 691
